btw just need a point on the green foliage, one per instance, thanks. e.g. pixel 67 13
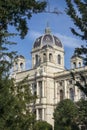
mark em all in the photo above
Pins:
pixel 42 125
pixel 16 13
pixel 77 10
pixel 82 51
pixel 14 111
pixel 82 107
pixel 81 84
pixel 15 99
pixel 65 115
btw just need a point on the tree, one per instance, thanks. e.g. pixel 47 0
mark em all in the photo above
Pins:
pixel 65 115
pixel 16 13
pixel 77 10
pixel 81 83
pixel 14 104
pixel 42 125
pixel 82 108
pixel 14 107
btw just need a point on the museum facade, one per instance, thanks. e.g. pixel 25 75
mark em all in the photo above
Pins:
pixel 48 78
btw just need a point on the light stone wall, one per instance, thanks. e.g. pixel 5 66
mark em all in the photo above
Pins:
pixel 53 78
pixel 50 88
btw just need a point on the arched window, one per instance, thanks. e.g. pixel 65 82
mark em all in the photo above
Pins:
pixel 36 59
pixel 59 59
pixel 50 57
pixel 74 64
pixel 21 66
pixel 61 95
pixel 71 94
pixel 79 64
pixel 44 57
pixel 16 66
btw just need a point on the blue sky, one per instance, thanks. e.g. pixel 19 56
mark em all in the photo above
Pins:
pixel 60 26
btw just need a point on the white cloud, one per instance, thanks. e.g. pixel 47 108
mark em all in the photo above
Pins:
pixel 34 34
pixel 69 41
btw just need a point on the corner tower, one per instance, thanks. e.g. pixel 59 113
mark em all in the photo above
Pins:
pixel 48 51
pixel 19 63
pixel 76 61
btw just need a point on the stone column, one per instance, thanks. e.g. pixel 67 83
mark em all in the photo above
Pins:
pixel 58 92
pixel 68 96
pixel 76 94
pixel 37 89
pixel 37 116
pixel 43 114
pixel 65 89
pixel 55 92
pixel 47 56
pixel 43 88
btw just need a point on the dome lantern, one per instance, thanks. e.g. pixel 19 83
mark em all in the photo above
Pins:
pixel 47 30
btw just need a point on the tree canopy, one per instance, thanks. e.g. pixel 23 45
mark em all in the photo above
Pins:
pixel 42 125
pixel 65 115
pixel 14 98
pixel 70 116
pixel 82 108
pixel 77 10
pixel 16 13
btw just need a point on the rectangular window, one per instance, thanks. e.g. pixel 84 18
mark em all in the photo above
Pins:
pixel 40 89
pixel 34 89
pixel 40 114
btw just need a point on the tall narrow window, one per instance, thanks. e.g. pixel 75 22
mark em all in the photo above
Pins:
pixel 61 95
pixel 44 57
pixel 21 66
pixel 71 94
pixel 40 89
pixel 16 66
pixel 74 64
pixel 59 59
pixel 36 59
pixel 79 64
pixel 50 57
pixel 40 114
pixel 34 89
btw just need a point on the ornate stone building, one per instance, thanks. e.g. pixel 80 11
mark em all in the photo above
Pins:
pixel 48 78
